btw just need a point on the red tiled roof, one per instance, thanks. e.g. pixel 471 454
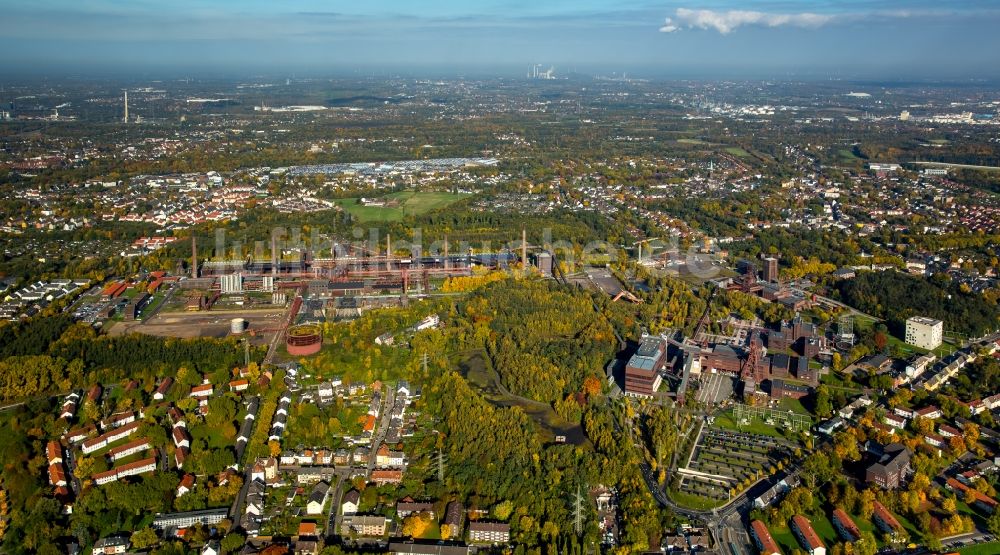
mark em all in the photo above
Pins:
pixel 847 523
pixel 806 530
pixel 885 516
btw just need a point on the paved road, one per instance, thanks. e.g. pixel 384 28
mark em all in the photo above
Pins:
pixel 333 518
pixel 385 417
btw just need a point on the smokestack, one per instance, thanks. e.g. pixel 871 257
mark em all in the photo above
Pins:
pixel 194 257
pixel 524 247
pixel 126 106
pixel 388 250
pixel 274 255
pixel 446 264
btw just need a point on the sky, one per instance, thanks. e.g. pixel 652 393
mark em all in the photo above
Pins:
pixel 901 39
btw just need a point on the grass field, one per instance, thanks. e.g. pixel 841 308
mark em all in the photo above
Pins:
pixel 981 549
pixel 691 142
pixel 693 501
pixel 737 151
pixel 411 203
pixel 848 155
pixel 727 422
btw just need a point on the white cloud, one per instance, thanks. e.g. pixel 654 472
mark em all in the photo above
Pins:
pixel 726 22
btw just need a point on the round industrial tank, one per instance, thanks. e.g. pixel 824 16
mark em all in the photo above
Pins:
pixel 304 340
pixel 237 325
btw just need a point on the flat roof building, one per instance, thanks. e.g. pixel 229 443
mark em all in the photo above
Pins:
pixel 923 332
pixel 642 373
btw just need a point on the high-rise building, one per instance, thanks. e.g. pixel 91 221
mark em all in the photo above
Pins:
pixel 771 269
pixel 642 373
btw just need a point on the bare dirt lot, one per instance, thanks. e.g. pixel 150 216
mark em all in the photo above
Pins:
pixel 262 322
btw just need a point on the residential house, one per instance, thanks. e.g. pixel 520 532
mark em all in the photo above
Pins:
pixel 349 504
pixel 807 536
pixel 111 545
pixel 407 507
pixel 163 388
pixel 931 412
pixel 202 391
pixel 318 498
pixel 885 521
pixel 387 476
pixel 186 485
pixel 489 532
pixel 762 537
pixel 363 525
pixel 845 526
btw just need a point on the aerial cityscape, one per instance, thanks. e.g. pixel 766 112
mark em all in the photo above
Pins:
pixel 319 279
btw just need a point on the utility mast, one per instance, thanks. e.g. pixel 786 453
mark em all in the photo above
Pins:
pixel 442 462
pixel 578 511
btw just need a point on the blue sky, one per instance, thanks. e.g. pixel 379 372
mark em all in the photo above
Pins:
pixel 893 38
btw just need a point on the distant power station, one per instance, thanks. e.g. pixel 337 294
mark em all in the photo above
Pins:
pixel 535 72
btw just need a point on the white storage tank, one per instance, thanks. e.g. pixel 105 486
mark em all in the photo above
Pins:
pixel 237 325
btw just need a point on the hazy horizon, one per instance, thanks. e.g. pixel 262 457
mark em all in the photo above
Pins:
pixel 891 39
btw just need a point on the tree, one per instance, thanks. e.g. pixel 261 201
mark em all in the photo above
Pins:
pixel 232 542
pixel 993 523
pixel 970 496
pixel 823 406
pixel 502 510
pixel 144 538
pixel 837 361
pixel 416 525
pixel 866 545
pixel 949 505
pixel 867 504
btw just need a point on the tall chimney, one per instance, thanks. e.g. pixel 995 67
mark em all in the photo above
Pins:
pixel 446 264
pixel 194 257
pixel 524 247
pixel 388 251
pixel 274 255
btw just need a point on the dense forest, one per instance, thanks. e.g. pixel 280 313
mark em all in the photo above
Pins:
pixel 896 296
pixel 543 340
pixel 48 355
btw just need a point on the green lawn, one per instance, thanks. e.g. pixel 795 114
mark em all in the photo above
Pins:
pixel 848 155
pixel 785 539
pixel 981 549
pixel 794 405
pixel 756 426
pixel 737 151
pixel 693 501
pixel 411 203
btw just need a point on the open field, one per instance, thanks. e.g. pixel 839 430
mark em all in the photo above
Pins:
pixel 214 323
pixel 411 203
pixel 981 549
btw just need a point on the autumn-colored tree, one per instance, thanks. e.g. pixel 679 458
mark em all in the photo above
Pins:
pixel 416 525
pixel 591 386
